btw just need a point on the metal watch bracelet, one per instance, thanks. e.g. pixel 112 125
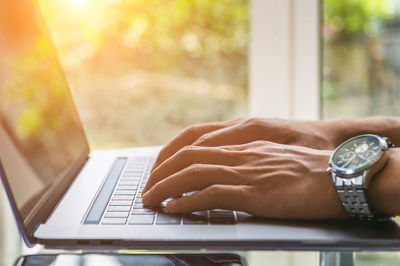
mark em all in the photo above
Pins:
pixel 351 183
pixel 352 195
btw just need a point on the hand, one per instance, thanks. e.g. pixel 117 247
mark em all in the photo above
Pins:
pixel 312 134
pixel 262 178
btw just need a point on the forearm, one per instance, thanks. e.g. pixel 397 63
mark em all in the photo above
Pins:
pixel 384 191
pixel 340 130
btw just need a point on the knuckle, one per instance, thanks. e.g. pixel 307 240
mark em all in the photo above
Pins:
pixel 215 190
pixel 255 120
pixel 190 129
pixel 187 150
pixel 205 137
pixel 262 142
pixel 190 148
pixel 196 168
pixel 253 123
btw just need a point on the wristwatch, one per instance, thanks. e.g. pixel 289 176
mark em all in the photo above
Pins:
pixel 353 165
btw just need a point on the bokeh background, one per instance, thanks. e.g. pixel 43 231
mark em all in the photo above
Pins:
pixel 141 71
pixel 360 58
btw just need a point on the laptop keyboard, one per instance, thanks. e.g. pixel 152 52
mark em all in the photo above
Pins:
pixel 119 200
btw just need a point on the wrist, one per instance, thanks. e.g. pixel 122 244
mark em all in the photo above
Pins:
pixel 384 191
pixel 339 130
pixel 332 131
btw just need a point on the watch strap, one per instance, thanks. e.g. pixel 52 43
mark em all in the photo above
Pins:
pixel 353 197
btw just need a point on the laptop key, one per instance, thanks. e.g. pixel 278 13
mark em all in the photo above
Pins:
pixel 135 166
pixel 131 177
pixel 222 217
pixel 123 197
pixel 139 200
pixel 116 214
pixel 136 163
pixel 119 208
pixel 125 192
pixel 134 172
pixel 165 218
pixel 199 217
pixel 143 211
pixel 141 219
pixel 113 221
pixel 126 188
pixel 138 206
pixel 121 203
pixel 128 183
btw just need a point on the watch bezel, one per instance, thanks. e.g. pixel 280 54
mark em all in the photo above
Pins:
pixel 349 173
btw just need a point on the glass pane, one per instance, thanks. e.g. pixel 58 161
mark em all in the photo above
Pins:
pixel 361 58
pixel 141 71
pixel 361 73
pixel 376 258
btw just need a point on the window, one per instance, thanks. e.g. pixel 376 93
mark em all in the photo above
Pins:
pixel 361 69
pixel 361 58
pixel 141 71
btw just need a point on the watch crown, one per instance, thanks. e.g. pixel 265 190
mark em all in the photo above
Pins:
pixel 389 143
pixel 329 170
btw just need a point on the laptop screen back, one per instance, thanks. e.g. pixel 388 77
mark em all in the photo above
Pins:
pixel 40 133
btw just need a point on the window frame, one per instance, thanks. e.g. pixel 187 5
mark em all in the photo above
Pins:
pixel 284 74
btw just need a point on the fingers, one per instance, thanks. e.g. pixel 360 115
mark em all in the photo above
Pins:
pixel 254 145
pixel 188 136
pixel 214 197
pixel 238 133
pixel 193 178
pixel 192 155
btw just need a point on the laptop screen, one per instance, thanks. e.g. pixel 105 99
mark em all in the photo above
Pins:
pixel 40 133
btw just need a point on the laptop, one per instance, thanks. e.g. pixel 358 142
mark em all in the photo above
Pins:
pixel 64 195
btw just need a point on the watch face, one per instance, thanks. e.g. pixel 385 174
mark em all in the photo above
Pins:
pixel 357 153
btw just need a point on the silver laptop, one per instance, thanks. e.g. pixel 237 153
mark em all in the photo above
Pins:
pixel 64 195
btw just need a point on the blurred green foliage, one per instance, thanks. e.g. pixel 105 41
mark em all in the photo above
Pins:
pixel 360 51
pixel 141 71
pixel 185 37
pixel 35 91
pixel 36 108
pixel 356 17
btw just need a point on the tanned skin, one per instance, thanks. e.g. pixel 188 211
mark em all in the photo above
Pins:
pixel 271 168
